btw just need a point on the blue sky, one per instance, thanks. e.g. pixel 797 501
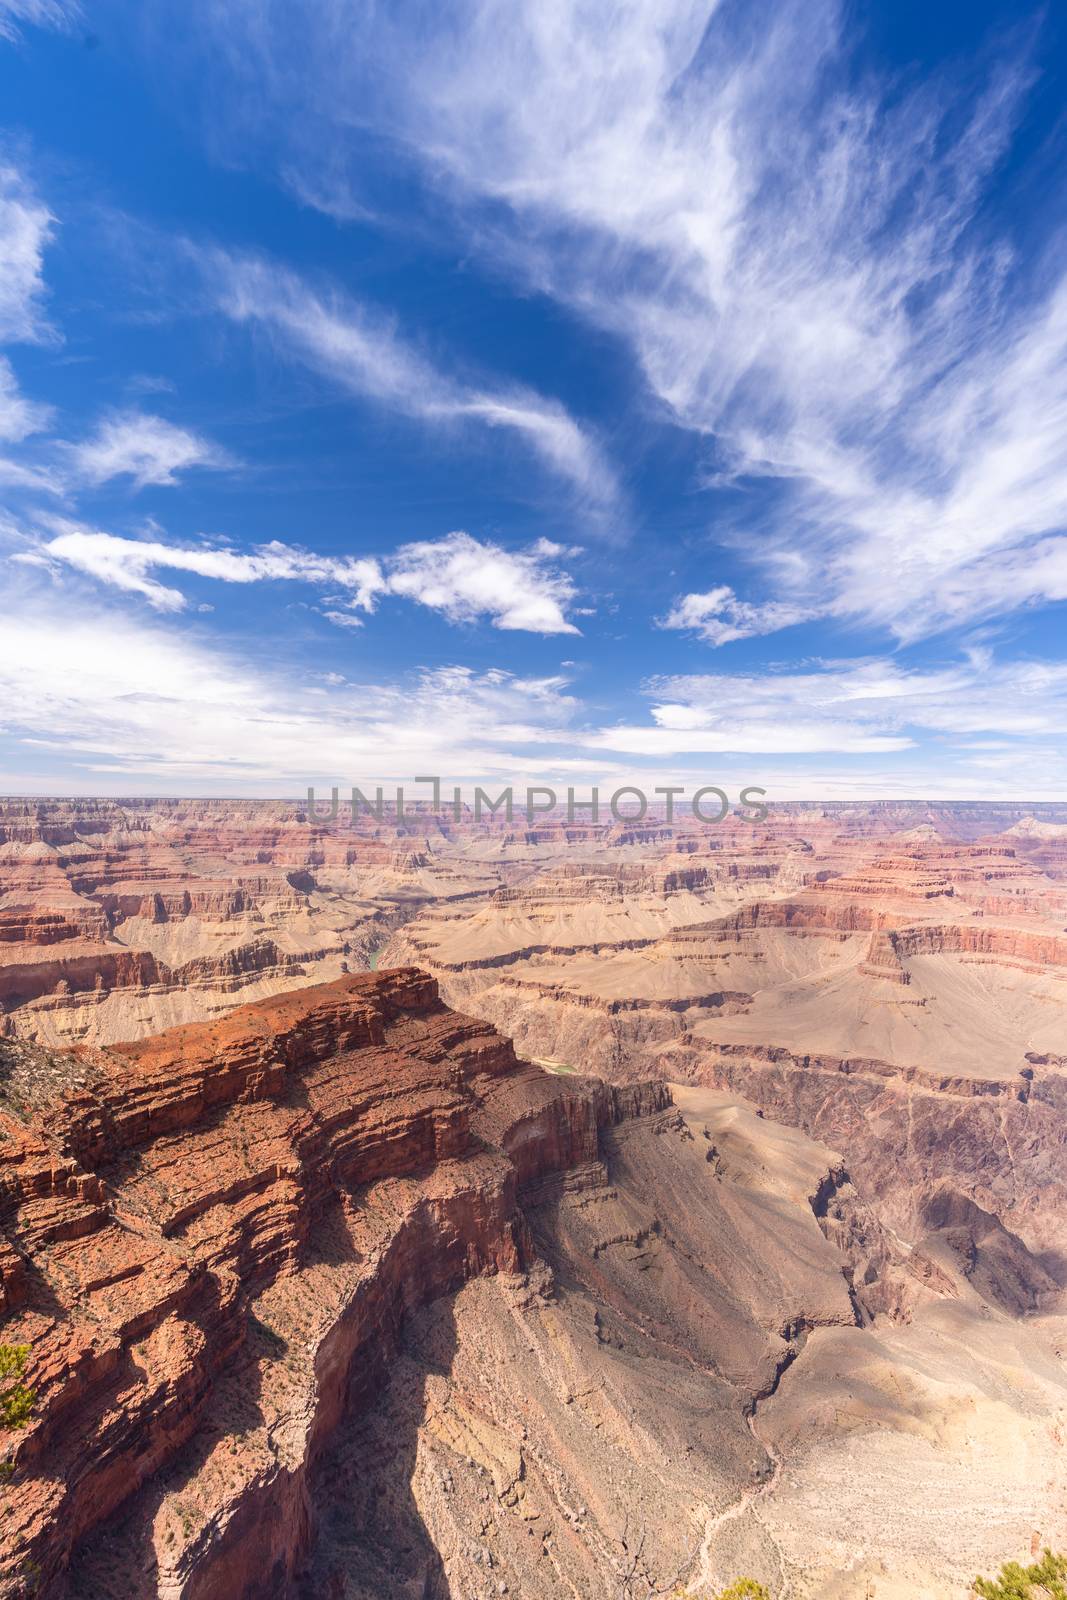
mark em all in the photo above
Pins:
pixel 546 392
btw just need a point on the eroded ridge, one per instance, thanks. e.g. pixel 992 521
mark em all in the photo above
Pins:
pixel 213 1234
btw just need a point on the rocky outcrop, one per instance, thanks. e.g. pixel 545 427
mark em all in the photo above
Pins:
pixel 884 959
pixel 72 967
pixel 997 1145
pixel 216 1233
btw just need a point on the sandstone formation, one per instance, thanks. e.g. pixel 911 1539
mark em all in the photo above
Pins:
pixel 210 1243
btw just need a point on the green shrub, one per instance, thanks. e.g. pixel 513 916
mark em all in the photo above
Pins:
pixel 16 1401
pixel 1045 1580
pixel 745 1589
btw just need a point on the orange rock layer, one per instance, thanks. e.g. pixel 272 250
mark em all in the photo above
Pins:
pixel 215 1238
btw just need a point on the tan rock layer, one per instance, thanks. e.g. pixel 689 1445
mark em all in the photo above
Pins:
pixel 996 1144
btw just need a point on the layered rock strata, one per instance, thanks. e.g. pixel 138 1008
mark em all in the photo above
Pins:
pixel 211 1240
pixel 335 1296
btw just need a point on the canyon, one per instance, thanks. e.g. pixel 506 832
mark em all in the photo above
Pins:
pixel 674 1201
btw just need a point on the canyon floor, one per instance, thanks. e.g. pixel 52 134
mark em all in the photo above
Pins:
pixel 674 1201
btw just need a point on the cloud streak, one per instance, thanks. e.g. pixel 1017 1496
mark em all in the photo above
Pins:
pixel 363 351
pixel 868 707
pixel 26 225
pixel 39 13
pixel 129 564
pixel 19 417
pixel 463 579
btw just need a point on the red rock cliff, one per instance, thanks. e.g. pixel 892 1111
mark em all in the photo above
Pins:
pixel 216 1234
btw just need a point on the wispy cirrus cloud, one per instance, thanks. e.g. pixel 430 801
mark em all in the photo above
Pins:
pixel 363 350
pixel 38 13
pixel 854 708
pixel 799 255
pixel 464 579
pixel 144 448
pixel 26 225
pixel 19 417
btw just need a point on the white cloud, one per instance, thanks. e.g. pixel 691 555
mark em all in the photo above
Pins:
pixel 40 13
pixel 146 448
pixel 343 619
pixel 25 228
pixel 800 258
pixel 363 351
pixel 459 576
pixel 850 708
pixel 19 417
pixel 128 564
pixel 466 580
pixel 119 706
pixel 139 705
pixel 760 736
pixel 720 617
pixel 17 475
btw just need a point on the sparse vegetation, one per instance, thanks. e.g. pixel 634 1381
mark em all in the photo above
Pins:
pixel 1044 1580
pixel 190 1516
pixel 740 1589
pixel 30 1575
pixel 16 1400
pixel 276 1345
pixel 31 1076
